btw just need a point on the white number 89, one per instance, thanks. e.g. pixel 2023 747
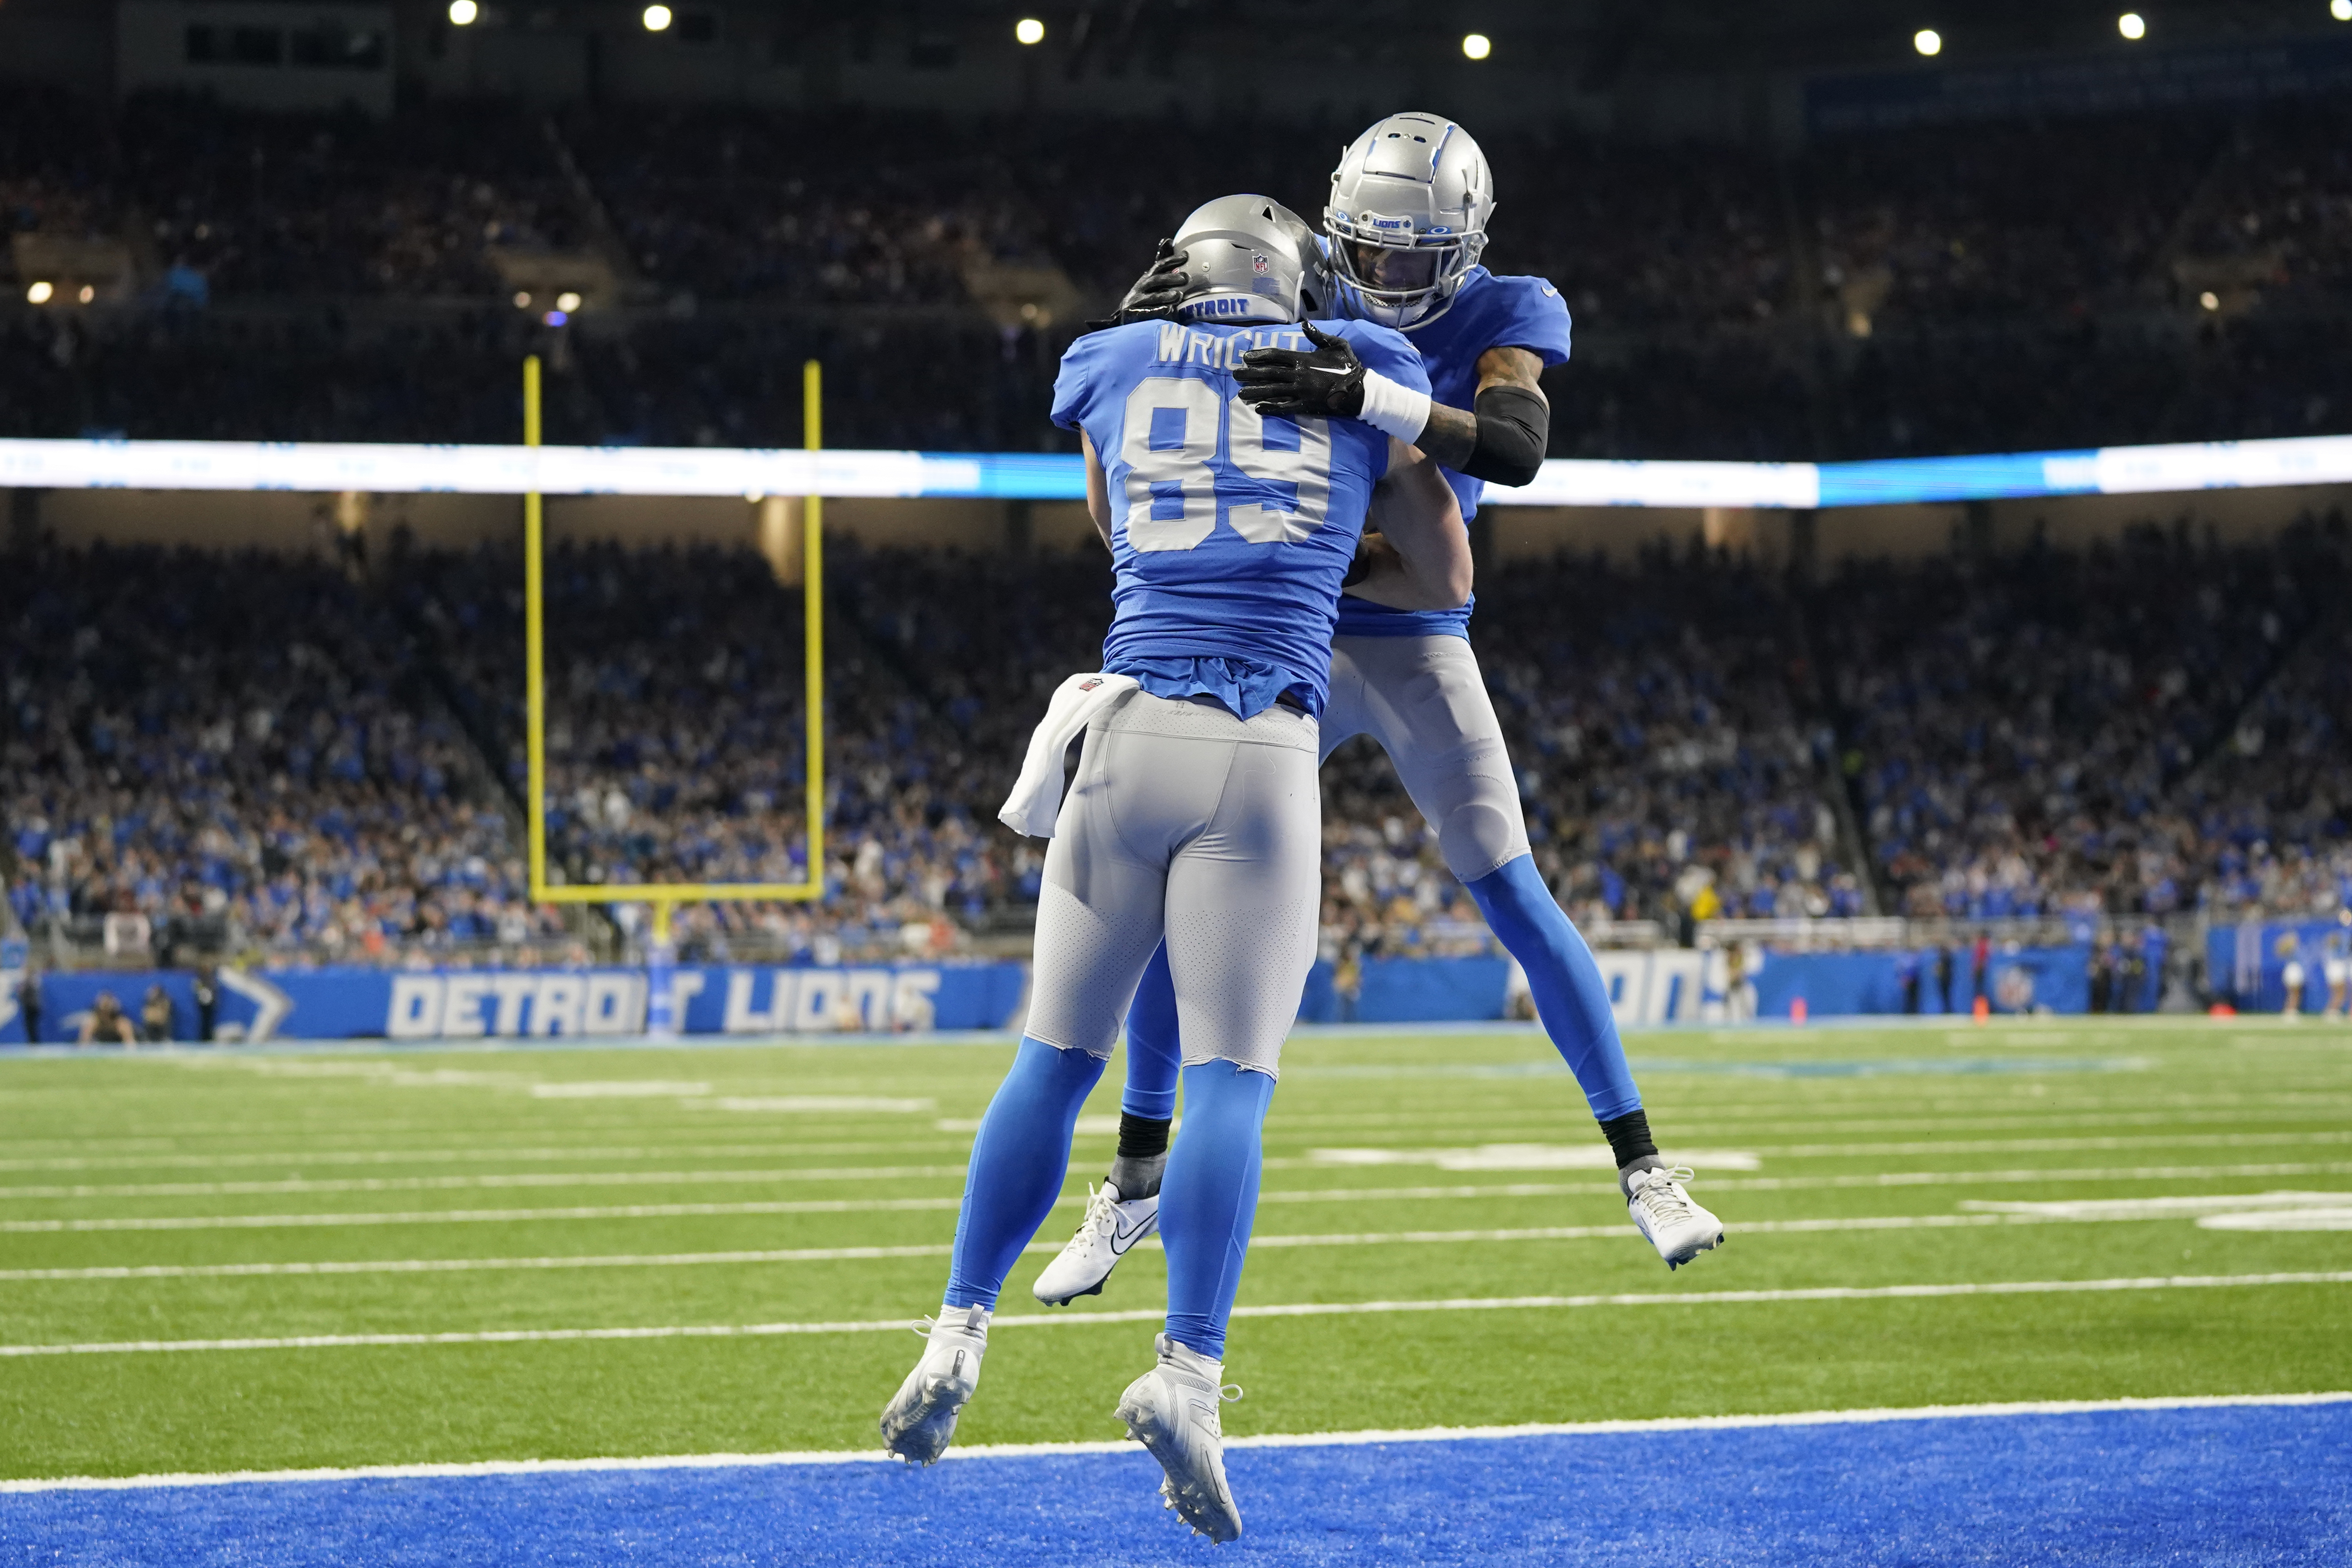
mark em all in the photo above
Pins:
pixel 1169 438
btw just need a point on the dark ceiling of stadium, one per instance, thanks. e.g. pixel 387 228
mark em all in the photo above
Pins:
pixel 1607 35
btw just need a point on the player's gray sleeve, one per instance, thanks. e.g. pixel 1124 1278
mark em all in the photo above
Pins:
pixel 1187 822
pixel 1424 701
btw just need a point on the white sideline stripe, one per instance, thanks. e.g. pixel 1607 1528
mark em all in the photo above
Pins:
pixel 470 1183
pixel 2229 1211
pixel 1331 1195
pixel 981 1451
pixel 1154 1314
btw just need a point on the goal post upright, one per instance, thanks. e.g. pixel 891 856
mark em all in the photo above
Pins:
pixel 664 896
pixel 812 619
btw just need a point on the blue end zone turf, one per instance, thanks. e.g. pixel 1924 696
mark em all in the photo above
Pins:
pixel 2128 1489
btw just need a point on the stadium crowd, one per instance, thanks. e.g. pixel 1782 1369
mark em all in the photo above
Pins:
pixel 2044 289
pixel 2026 732
pixel 330 764
pixel 218 743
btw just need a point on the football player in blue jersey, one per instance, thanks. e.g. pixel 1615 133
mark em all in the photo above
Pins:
pixel 1196 817
pixel 1405 229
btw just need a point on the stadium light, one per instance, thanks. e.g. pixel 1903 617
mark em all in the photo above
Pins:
pixel 462 13
pixel 39 294
pixel 2340 9
pixel 555 318
pixel 2211 301
pixel 567 302
pixel 1028 30
pixel 88 293
pixel 657 18
pixel 1927 41
pixel 1476 46
pixel 2132 26
pixel 522 302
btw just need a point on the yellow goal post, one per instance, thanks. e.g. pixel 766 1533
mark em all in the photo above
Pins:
pixel 664 896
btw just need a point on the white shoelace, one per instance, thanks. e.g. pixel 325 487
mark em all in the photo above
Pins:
pixel 924 1326
pixel 1661 1194
pixel 1102 1213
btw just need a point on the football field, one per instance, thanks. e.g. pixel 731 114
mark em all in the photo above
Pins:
pixel 354 1258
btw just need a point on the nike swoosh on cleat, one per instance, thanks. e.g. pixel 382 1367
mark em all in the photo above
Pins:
pixel 1121 1238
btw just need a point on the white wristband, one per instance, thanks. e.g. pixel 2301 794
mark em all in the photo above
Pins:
pixel 1392 408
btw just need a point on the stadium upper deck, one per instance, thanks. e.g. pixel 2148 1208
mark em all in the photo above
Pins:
pixel 2174 274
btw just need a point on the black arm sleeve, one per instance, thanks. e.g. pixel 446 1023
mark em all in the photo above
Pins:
pixel 1514 426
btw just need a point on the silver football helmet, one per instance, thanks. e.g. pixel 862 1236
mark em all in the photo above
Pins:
pixel 1246 259
pixel 1407 219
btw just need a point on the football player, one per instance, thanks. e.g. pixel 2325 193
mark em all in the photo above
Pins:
pixel 1196 817
pixel 1405 228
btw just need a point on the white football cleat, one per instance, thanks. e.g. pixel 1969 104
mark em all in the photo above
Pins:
pixel 1171 1410
pixel 921 1419
pixel 1112 1225
pixel 1667 1218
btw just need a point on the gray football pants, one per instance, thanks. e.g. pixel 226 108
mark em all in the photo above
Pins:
pixel 1187 822
pixel 1424 701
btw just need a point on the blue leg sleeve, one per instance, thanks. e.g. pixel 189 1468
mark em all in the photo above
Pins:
pixel 1018 1160
pixel 1209 1199
pixel 1153 1046
pixel 1570 995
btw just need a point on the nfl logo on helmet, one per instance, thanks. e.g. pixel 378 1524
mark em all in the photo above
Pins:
pixel 1260 263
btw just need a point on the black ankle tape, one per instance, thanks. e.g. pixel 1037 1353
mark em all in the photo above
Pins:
pixel 1142 1137
pixel 1629 1137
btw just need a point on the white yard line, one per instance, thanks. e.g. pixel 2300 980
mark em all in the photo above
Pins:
pixel 481 1265
pixel 490 1153
pixel 2053 1174
pixel 2055 1145
pixel 1330 1195
pixel 486 1215
pixel 481 1154
pixel 981 1451
pixel 1294 1310
pixel 480 1183
pixel 1541 1157
pixel 2281 1205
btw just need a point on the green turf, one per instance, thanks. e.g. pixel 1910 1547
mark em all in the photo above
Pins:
pixel 1843 1124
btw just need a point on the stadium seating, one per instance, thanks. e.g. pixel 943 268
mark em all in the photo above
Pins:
pixel 323 763
pixel 2021 726
pixel 237 742
pixel 2043 290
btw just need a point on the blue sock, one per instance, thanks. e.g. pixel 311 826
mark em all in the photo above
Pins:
pixel 1209 1198
pixel 1018 1160
pixel 1153 1047
pixel 1570 997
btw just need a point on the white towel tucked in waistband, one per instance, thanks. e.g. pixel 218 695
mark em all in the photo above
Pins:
pixel 1036 797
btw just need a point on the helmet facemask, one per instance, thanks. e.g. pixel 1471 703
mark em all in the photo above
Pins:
pixel 1400 284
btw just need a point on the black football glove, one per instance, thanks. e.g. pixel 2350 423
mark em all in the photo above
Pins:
pixel 1325 384
pixel 1155 294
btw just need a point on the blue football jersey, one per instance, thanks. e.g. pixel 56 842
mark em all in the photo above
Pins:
pixel 1231 531
pixel 1490 312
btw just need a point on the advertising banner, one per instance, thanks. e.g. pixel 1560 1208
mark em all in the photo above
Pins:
pixel 474 1004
